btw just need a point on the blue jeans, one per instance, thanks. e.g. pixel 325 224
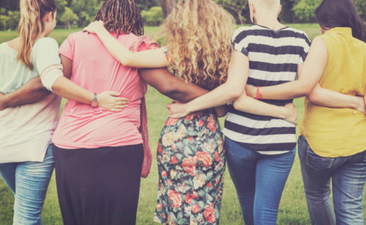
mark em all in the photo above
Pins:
pixel 259 181
pixel 29 182
pixel 348 176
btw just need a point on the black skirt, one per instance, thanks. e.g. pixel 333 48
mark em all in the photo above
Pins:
pixel 98 186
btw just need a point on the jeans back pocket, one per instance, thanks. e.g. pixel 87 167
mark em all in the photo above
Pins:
pixel 317 162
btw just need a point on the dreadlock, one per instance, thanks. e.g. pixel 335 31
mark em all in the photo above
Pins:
pixel 121 17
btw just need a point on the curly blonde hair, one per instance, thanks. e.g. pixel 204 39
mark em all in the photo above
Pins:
pixel 197 34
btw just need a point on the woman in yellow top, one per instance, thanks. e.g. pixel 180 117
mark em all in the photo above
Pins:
pixel 332 145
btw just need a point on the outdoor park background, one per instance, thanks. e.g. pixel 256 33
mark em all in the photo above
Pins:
pixel 293 208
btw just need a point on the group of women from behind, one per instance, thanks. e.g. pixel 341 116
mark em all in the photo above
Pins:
pixel 101 140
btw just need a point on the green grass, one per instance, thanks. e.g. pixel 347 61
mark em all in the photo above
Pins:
pixel 292 211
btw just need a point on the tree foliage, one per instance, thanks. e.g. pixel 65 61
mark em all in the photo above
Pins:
pixel 9 19
pixel 86 9
pixel 167 6
pixel 304 10
pixel 361 7
pixel 61 4
pixel 146 4
pixel 236 7
pixel 153 17
pixel 287 14
pixel 293 11
pixel 69 17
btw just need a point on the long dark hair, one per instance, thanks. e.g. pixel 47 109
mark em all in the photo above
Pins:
pixel 31 26
pixel 121 16
pixel 341 13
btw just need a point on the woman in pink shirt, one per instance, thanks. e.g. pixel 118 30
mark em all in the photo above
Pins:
pixel 98 153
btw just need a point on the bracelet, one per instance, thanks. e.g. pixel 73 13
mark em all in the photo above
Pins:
pixel 259 95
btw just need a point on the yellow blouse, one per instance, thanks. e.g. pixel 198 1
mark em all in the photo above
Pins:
pixel 336 132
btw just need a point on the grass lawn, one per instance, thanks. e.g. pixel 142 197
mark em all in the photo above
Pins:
pixel 292 211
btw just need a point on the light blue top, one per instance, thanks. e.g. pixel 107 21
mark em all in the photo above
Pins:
pixel 26 131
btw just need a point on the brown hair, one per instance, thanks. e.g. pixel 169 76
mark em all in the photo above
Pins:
pixel 121 16
pixel 197 34
pixel 341 13
pixel 31 26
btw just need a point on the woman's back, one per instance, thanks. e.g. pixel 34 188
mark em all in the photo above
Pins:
pixel 82 126
pixel 345 73
pixel 29 126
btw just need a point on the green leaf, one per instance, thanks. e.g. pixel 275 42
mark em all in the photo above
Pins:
pixel 180 215
pixel 183 221
pixel 201 193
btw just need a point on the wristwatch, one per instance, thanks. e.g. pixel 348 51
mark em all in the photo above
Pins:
pixel 94 103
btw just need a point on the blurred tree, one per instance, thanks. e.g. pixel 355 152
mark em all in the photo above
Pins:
pixel 167 6
pixel 287 14
pixel 3 20
pixel 304 10
pixel 361 7
pixel 13 19
pixel 68 17
pixel 9 4
pixel 61 4
pixel 9 19
pixel 147 4
pixel 236 8
pixel 86 9
pixel 153 17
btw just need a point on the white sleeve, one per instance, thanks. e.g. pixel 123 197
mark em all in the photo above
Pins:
pixel 48 62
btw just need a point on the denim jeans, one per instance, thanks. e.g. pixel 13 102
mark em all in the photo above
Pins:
pixel 348 176
pixel 259 181
pixel 29 182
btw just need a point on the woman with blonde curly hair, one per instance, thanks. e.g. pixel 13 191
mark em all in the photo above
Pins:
pixel 191 158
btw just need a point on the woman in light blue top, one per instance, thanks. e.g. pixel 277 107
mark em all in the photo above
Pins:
pixel 29 113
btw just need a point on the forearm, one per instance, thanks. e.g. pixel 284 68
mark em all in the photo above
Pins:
pixel 31 92
pixel 171 86
pixel 220 96
pixel 115 48
pixel 187 92
pixel 67 89
pixel 290 90
pixel 254 106
pixel 328 98
pixel 143 59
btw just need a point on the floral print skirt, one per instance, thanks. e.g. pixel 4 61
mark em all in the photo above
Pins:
pixel 191 164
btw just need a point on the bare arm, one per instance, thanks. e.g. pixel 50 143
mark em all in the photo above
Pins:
pixel 332 99
pixel 167 84
pixel 309 74
pixel 31 92
pixel 68 89
pixel 228 92
pixel 146 59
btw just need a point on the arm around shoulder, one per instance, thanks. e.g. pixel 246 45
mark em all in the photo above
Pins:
pixel 311 72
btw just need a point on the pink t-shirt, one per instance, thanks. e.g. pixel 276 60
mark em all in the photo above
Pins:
pixel 94 68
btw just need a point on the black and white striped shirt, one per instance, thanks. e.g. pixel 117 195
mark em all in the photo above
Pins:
pixel 274 57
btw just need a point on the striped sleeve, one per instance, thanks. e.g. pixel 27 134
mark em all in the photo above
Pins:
pixel 305 43
pixel 239 41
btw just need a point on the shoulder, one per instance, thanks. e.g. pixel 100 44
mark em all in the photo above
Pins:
pixel 298 33
pixel 3 46
pixel 76 35
pixel 360 43
pixel 319 44
pixel 242 32
pixel 144 42
pixel 46 42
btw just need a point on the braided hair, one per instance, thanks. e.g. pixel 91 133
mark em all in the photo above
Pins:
pixel 121 17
